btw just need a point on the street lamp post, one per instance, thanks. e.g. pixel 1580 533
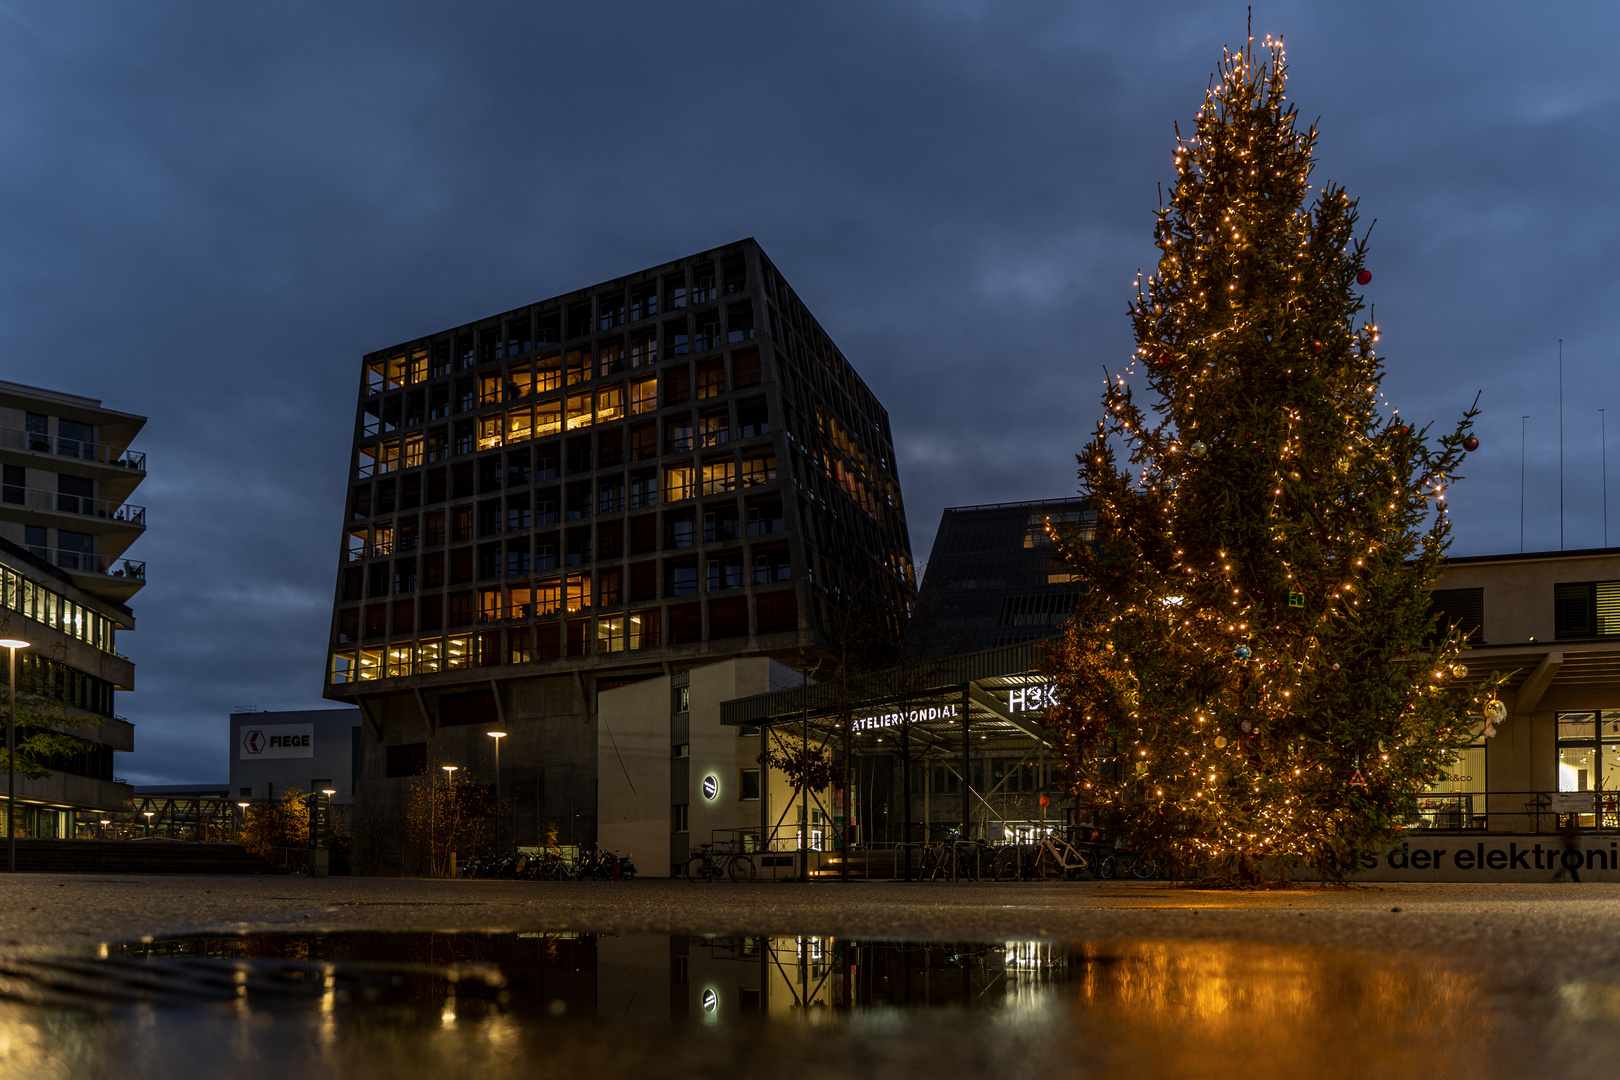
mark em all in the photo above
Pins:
pixel 497 736
pixel 12 645
pixel 241 819
pixel 148 814
pixel 450 779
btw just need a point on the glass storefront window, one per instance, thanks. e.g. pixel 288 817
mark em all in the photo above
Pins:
pixel 1589 760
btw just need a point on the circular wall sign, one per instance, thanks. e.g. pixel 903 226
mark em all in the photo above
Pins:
pixel 711 786
pixel 711 1001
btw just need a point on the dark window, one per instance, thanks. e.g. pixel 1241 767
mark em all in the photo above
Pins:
pixel 546 642
pixel 489 517
pixel 410 492
pixel 461 565
pixel 545 462
pixel 376 620
pixel 610 448
pixel 385 496
pixel 409 759
pixel 435 485
pixel 348 625
pixel 517 557
pixel 729 617
pixel 404 620
pixel 545 552
pixel 579 455
pixel 545 506
pixel 404 575
pixel 680 529
pixel 711 380
pixel 463 608
pixel 489 561
pixel 517 512
pixel 433 528
pixel 354 583
pixel 1584 608
pixel 461 480
pixel 720 522
pixel 777 611
pixel 677 433
pixel 579 546
pixel 681 577
pixel 643 534
pixel 643 582
pixel 610 587
pixel 578 636
pixel 610 540
pixel 1464 608
pixel 610 495
pixel 753 418
pixel 643 490
pixel 772 565
pixel 579 319
pixel 678 385
pixel 517 468
pixel 577 501
pixel 643 300
pixel 433 570
pixel 14 475
pixel 745 368
pixel 377 579
pixel 489 474
pixel 685 623
pixel 749 789
pixel 643 442
pixel 725 571
pixel 432 612
pixel 764 517
pixel 489 651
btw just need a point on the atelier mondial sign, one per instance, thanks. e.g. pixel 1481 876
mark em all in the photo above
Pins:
pixel 1021 699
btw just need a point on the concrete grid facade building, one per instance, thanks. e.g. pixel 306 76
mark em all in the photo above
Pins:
pixel 65 585
pixel 660 471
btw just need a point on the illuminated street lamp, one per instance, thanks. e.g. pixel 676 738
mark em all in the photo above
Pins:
pixel 12 645
pixel 433 829
pixel 497 736
pixel 148 814
pixel 104 823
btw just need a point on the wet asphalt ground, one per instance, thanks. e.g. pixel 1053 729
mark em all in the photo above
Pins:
pixel 1430 980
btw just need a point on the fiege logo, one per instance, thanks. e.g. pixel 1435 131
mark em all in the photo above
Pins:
pixel 278 741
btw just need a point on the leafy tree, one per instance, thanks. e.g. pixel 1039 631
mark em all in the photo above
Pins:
pixel 277 823
pixel 1246 677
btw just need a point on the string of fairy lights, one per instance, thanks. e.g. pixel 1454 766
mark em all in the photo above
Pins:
pixel 1230 712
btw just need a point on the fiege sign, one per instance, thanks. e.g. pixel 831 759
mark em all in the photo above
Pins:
pixel 276 741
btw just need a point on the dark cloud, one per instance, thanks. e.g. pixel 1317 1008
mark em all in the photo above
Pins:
pixel 210 212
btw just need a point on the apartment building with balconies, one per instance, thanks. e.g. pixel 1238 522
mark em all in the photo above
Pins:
pixel 68 477
pixel 66 525
pixel 667 469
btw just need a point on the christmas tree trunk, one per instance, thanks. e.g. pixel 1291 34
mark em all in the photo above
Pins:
pixel 1251 678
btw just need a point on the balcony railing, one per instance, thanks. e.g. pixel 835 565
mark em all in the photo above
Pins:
pixel 15 439
pixel 38 499
pixel 84 562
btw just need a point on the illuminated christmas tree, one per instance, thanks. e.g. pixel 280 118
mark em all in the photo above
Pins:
pixel 1251 678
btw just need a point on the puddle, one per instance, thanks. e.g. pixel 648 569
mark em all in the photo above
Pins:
pixel 373 1004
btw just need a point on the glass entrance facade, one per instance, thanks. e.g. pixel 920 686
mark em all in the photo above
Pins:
pixel 1589 760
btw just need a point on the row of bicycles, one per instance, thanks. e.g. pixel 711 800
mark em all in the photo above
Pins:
pixel 594 864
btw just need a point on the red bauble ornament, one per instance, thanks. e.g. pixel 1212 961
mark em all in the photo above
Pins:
pixel 1364 278
pixel 1164 360
pixel 1045 801
pixel 1316 348
pixel 1470 444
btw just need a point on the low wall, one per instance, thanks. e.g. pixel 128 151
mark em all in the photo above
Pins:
pixel 1498 857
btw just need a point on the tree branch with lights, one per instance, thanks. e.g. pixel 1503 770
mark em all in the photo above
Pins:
pixel 1252 680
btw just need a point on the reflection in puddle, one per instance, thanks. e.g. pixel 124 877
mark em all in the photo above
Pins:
pixel 411 1004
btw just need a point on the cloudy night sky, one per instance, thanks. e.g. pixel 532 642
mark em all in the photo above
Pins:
pixel 210 212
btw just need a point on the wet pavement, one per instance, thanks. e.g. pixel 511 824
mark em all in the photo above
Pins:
pixel 401 978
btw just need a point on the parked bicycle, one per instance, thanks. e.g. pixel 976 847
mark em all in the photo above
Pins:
pixel 708 864
pixel 1057 859
pixel 1121 863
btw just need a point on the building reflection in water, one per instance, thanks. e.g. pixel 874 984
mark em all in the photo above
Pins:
pixel 418 1004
